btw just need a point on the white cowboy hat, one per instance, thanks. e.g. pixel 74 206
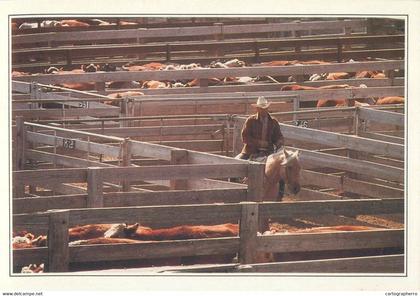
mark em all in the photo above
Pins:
pixel 262 103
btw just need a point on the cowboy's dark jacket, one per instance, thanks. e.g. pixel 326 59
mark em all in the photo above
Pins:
pixel 252 133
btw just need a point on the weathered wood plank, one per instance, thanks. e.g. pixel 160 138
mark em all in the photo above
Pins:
pixel 380 137
pixel 23 257
pixel 339 140
pixel 382 116
pixel 248 232
pixel 308 195
pixel 41 204
pixel 188 171
pixel 162 249
pixel 308 158
pixel 58 239
pixel 212 184
pixel 336 207
pixel 58 141
pixel 307 242
pixel 67 161
pixel 319 179
pixel 201 196
pixel 63 113
pixel 370 189
pixel 157 131
pixel 151 215
pixel 50 176
pixel 370 264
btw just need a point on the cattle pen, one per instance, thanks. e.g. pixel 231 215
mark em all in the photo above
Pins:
pixel 165 157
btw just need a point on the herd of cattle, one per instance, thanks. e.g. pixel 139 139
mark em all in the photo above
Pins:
pixel 67 23
pixel 154 84
pixel 94 234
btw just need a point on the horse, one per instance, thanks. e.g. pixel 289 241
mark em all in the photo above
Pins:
pixel 281 168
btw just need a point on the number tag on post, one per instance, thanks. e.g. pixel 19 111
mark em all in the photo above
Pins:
pixel 69 143
pixel 301 123
pixel 84 104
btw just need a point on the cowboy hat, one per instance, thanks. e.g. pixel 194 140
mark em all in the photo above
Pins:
pixel 262 103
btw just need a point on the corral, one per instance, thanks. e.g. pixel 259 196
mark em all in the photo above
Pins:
pixel 163 158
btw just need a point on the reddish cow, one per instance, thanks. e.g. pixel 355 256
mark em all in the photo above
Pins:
pixel 279 63
pixel 89 231
pixel 294 87
pixel 19 73
pixel 155 84
pixel 211 81
pixel 121 95
pixel 73 23
pixel 370 74
pixel 390 100
pixel 185 232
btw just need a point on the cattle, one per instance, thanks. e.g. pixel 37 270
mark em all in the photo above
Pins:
pixel 154 84
pixel 390 100
pixel 115 97
pixel 276 63
pixel 19 73
pixel 28 26
pixel 211 82
pixel 82 86
pixel 50 24
pixel 133 68
pixel 28 241
pixel 95 230
pixel 33 268
pixel 234 63
pixel 294 87
pixel 73 23
pixel 182 232
pixel 98 22
pixel 370 74
pixel 125 23
pixel 333 102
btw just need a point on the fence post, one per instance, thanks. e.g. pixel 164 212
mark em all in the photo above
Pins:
pixel 95 182
pixel 179 156
pixel 248 228
pixel 126 161
pixel 219 37
pixel 255 181
pixel 236 142
pixel 347 33
pixel 58 241
pixel 19 189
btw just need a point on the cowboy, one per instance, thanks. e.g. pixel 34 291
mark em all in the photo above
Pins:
pixel 260 134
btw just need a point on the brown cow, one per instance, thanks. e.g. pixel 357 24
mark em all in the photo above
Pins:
pixel 183 232
pixel 390 100
pixel 73 23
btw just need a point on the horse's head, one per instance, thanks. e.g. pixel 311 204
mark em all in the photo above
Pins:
pixel 282 166
pixel 292 170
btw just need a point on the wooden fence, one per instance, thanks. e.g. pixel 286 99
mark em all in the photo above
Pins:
pixel 251 51
pixel 218 30
pixel 59 255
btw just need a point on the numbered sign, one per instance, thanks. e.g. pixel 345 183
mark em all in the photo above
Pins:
pixel 69 143
pixel 302 123
pixel 84 104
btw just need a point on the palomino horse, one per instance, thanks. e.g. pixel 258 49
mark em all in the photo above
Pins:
pixel 281 167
